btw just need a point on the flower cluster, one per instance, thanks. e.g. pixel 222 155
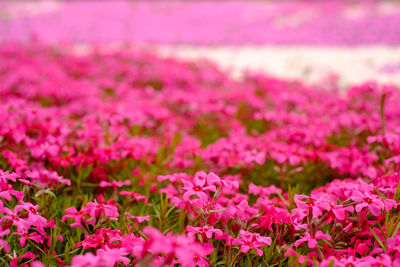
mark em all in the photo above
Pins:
pixel 124 158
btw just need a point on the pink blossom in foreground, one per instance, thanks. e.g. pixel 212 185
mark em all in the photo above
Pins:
pixel 248 241
pixel 197 188
pixel 312 241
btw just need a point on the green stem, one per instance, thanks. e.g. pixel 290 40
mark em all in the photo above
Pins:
pixel 383 98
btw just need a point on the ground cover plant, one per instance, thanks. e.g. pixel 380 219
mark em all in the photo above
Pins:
pixel 127 159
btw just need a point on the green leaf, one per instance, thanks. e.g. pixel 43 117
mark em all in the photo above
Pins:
pixel 284 200
pixel 85 172
pixel 397 193
pixel 67 257
pixel 378 239
pixel 380 193
pixel 396 229
pixel 383 98
pixel 216 211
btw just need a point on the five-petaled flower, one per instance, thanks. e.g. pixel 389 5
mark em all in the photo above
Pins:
pixel 312 241
pixel 197 188
pixel 248 240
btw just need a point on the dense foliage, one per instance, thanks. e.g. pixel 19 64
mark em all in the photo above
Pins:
pixel 129 159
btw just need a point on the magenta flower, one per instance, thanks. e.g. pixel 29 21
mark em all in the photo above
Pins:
pixel 78 216
pixel 101 238
pixel 312 205
pixel 312 241
pixel 34 218
pixel 98 210
pixel 135 196
pixel 3 244
pixel 248 240
pixel 187 251
pixel 15 259
pixel 13 218
pixel 86 260
pixel 105 257
pixel 114 183
pixel 206 231
pixel 6 191
pixel 340 211
pixel 132 244
pixel 213 179
pixel 45 150
pixel 32 236
pixel 137 219
pixel 157 243
pixel 243 211
pixel 197 188
pixel 372 202
pixel 113 255
pixel 195 255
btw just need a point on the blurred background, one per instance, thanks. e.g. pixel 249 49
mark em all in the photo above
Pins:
pixel 350 41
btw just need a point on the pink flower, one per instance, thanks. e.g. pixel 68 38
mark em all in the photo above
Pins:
pixel 101 238
pixel 3 243
pixel 243 211
pixel 312 205
pixel 12 217
pixel 105 257
pixel 45 150
pixel 197 188
pixel 213 179
pixel 263 191
pixel 312 241
pixel 290 252
pixel 46 177
pixel 36 264
pixel 113 256
pixel 98 210
pixel 87 260
pixel 15 259
pixel 157 243
pixel 187 251
pixel 32 236
pixel 250 240
pixel 114 183
pixel 137 219
pixel 135 196
pixel 194 255
pixel 6 191
pixel 340 211
pixel 373 202
pixel 33 217
pixel 206 231
pixel 132 244
pixel 78 216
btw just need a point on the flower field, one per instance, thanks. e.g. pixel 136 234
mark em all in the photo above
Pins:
pixel 220 22
pixel 125 158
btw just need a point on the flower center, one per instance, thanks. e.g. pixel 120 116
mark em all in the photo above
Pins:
pixel 197 188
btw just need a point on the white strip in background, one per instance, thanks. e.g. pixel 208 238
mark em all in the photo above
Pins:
pixel 352 65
